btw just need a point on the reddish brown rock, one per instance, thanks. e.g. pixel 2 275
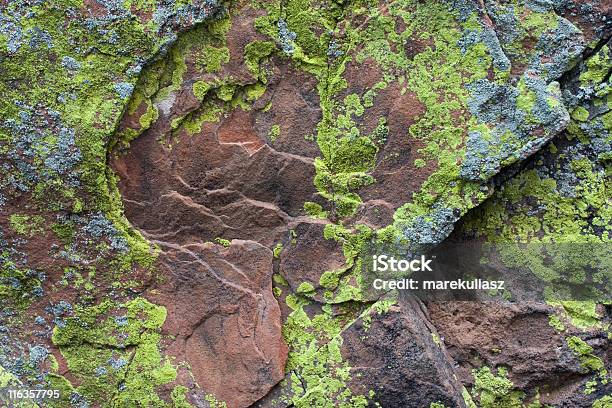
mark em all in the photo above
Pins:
pixel 309 256
pixel 185 189
pixel 223 314
pixel 202 188
pixel 396 356
pixel 295 110
pixel 220 302
pixel 395 174
pixel 517 336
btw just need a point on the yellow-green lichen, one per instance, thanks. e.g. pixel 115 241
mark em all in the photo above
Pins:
pixel 113 352
pixel 495 390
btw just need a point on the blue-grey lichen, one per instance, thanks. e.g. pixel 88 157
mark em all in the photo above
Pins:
pixel 431 228
pixel 70 63
pixel 124 89
pixel 561 46
pixel 99 226
pixel 38 354
pixel 512 115
pixel 286 36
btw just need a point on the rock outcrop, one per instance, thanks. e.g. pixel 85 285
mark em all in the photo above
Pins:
pixel 192 191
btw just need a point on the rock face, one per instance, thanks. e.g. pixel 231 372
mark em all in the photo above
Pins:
pixel 519 334
pixel 398 357
pixel 191 193
pixel 224 186
pixel 223 314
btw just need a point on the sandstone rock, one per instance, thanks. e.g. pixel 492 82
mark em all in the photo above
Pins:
pixel 223 314
pixel 396 356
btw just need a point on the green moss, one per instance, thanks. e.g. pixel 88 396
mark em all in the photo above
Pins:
pixel 214 402
pixel 598 67
pixel 218 96
pixel 604 402
pixel 343 168
pixel 214 58
pixel 526 99
pixel 314 210
pixel 588 360
pixel 18 286
pixel 140 251
pixel 255 53
pixel 537 22
pixel 109 344
pixel 305 288
pixel 467 398
pixel 329 279
pixel 201 88
pixel 208 112
pixel 149 116
pixel 65 231
pixel 339 188
pixel 224 242
pixel 279 280
pixel 582 314
pixel 274 133
pixel 212 50
pixel 580 114
pixel 26 225
pixel 276 251
pixel 495 390
pixel 318 373
pixel 179 397
pixel 350 280
pixel 226 92
pixel 556 323
pixel 252 93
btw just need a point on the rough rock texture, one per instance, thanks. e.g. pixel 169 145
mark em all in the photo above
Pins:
pixel 397 357
pixel 223 314
pixel 518 336
pixel 191 192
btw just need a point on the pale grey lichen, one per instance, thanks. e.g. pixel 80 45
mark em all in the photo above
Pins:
pixel 124 89
pixel 117 363
pixel 99 226
pixel 481 161
pixel 432 228
pixel 38 354
pixel 100 371
pixel 557 50
pixel 286 36
pixel 70 63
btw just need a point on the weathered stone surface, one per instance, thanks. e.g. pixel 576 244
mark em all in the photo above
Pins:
pixel 223 314
pixel 204 189
pixel 396 356
pixel 236 163
pixel 310 256
pixel 517 336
